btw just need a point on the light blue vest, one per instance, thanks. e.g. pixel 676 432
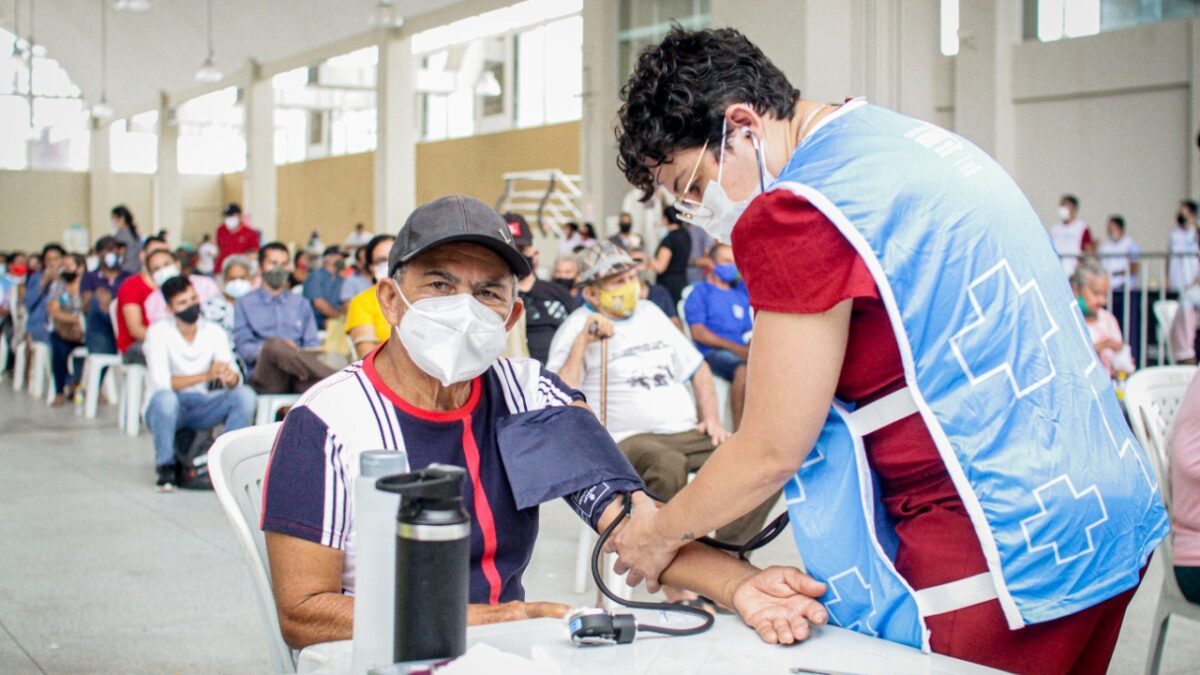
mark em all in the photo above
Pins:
pixel 1000 367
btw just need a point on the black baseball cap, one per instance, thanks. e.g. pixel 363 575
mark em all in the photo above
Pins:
pixel 519 228
pixel 451 219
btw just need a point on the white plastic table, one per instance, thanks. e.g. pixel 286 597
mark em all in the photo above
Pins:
pixel 729 647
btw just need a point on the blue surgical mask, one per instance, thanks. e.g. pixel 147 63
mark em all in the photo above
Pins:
pixel 727 272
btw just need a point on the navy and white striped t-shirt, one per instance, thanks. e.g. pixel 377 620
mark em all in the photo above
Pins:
pixel 308 491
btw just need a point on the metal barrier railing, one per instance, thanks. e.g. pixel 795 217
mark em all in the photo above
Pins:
pixel 1142 299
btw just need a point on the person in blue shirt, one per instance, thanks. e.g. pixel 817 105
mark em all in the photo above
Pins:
pixel 718 316
pixel 323 287
pixel 37 293
pixel 275 331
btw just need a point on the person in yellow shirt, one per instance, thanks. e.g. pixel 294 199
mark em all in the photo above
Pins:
pixel 365 323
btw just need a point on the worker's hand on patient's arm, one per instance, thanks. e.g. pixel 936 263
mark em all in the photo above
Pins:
pixel 641 550
pixel 514 611
pixel 306 578
pixel 779 603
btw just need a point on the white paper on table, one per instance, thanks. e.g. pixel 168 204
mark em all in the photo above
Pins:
pixel 482 658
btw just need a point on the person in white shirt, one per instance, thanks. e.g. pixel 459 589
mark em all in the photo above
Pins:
pixel 1183 261
pixel 359 238
pixel 1119 255
pixel 650 413
pixel 206 256
pixel 1070 236
pixel 194 382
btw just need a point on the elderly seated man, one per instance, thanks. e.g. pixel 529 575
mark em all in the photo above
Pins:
pixel 651 414
pixel 438 390
pixel 718 316
pixel 276 332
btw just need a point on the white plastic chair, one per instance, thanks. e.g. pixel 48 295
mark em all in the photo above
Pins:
pixel 94 369
pixel 40 378
pixel 1153 397
pixel 134 391
pixel 1164 314
pixel 237 466
pixel 269 404
pixel 4 351
pixel 19 363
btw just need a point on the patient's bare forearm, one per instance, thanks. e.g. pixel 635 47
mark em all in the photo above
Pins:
pixel 325 617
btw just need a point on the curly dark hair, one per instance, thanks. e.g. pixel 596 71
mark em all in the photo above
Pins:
pixel 680 89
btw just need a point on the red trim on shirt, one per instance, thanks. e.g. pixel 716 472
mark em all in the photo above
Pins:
pixel 483 512
pixel 463 413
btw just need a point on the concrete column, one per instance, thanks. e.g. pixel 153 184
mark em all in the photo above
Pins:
pixel 983 102
pixel 396 148
pixel 1193 169
pixel 603 185
pixel 100 183
pixel 258 183
pixel 168 195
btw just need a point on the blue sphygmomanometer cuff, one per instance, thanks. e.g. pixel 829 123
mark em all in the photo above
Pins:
pixel 564 452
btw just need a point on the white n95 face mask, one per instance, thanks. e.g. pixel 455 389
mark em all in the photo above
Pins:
pixel 716 213
pixel 164 273
pixel 453 338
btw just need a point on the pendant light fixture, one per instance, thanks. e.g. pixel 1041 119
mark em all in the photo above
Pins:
pixel 208 72
pixel 102 110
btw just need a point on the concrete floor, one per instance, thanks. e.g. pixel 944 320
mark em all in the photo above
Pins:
pixel 100 574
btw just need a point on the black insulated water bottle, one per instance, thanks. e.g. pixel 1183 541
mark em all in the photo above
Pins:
pixel 433 549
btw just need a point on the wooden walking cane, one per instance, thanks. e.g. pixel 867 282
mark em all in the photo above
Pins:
pixel 600 600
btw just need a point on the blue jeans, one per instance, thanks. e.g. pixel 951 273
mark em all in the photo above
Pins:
pixel 60 353
pixel 171 411
pixel 724 363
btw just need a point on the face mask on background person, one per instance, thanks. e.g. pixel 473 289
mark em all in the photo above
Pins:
pixel 620 302
pixel 190 314
pixel 275 278
pixel 1064 213
pixel 380 271
pixel 110 260
pixel 18 271
pixel 69 277
pixel 232 221
pixel 564 282
pixel 236 288
pixel 727 272
pixel 453 338
pixel 1180 219
pixel 717 213
pixel 626 228
pixel 160 277
pixel 93 263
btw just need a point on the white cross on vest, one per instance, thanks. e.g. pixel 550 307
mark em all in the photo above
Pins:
pixel 985 347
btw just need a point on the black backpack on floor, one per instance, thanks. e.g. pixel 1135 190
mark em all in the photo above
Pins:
pixel 191 458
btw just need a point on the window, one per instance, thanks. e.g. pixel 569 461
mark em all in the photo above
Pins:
pixel 326 109
pixel 211 133
pixel 134 144
pixel 519 66
pixel 949 27
pixel 550 73
pixel 44 119
pixel 645 22
pixel 1057 19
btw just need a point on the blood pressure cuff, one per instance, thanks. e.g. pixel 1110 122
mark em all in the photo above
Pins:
pixel 563 452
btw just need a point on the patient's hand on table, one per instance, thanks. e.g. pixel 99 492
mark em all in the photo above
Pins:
pixel 780 604
pixel 514 611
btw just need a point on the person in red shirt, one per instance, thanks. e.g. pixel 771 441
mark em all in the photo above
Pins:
pixel 157 262
pixel 235 237
pixel 821 331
